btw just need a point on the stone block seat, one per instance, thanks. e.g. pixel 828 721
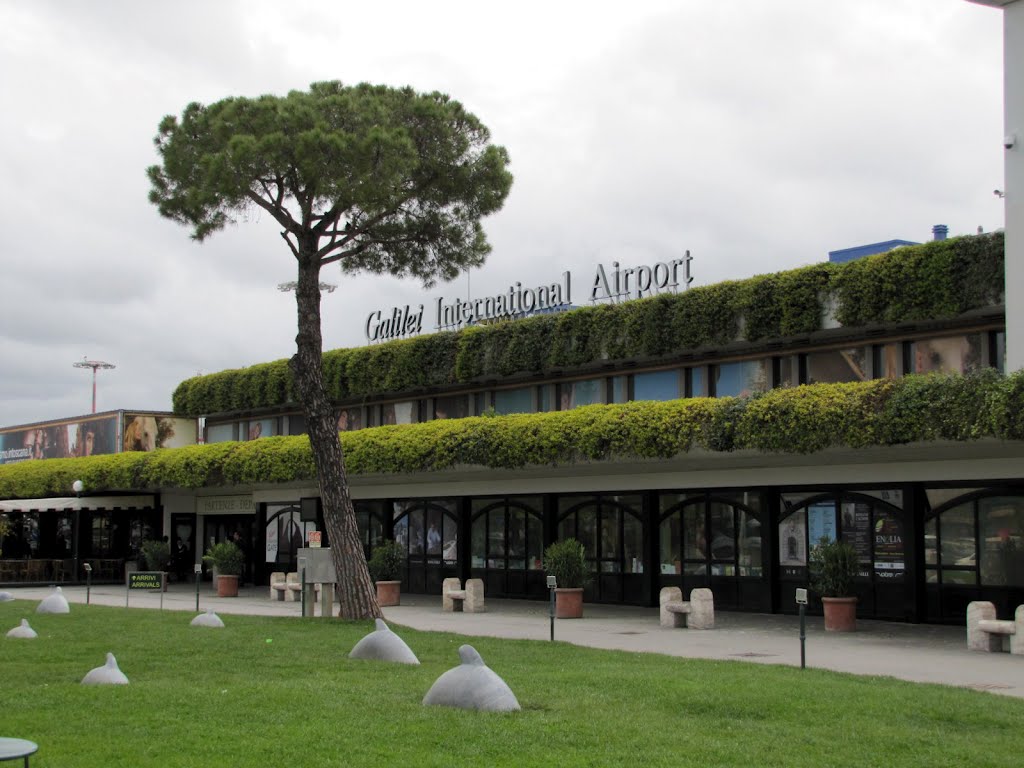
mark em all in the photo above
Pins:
pixel 293 587
pixel 455 598
pixel 696 613
pixel 985 632
pixel 278 586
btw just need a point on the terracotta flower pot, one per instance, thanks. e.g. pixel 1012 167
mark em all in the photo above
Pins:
pixel 389 593
pixel 227 586
pixel 569 603
pixel 840 613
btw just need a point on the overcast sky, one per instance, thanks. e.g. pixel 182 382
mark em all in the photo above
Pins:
pixel 758 134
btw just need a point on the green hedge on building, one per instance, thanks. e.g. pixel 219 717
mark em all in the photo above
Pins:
pixel 798 420
pixel 937 280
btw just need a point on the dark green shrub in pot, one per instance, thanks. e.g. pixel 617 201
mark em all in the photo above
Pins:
pixel 834 567
pixel 387 561
pixel 227 557
pixel 385 565
pixel 567 562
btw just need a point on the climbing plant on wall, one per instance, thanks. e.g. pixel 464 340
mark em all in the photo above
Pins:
pixel 797 420
pixel 937 280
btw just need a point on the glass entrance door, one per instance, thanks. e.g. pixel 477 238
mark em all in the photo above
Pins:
pixel 973 550
pixel 506 549
pixel 714 540
pixel 612 533
pixel 427 529
pixel 284 534
pixel 183 546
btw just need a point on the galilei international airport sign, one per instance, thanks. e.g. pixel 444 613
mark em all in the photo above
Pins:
pixel 607 286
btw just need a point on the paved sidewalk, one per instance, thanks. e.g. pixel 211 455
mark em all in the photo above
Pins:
pixel 921 653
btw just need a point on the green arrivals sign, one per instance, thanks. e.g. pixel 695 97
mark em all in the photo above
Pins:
pixel 146 580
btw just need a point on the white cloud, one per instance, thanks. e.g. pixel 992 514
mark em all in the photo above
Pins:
pixel 757 135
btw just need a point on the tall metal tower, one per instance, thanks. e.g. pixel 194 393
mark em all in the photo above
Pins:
pixel 95 365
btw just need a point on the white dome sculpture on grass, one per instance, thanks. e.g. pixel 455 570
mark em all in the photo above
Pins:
pixel 471 685
pixel 23 630
pixel 108 674
pixel 6 597
pixel 383 645
pixel 55 602
pixel 208 619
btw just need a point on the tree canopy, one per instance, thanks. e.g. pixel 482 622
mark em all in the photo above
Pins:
pixel 384 180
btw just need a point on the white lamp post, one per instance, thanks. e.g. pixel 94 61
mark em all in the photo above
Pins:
pixel 78 486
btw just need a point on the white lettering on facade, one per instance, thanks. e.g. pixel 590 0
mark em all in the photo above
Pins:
pixel 614 285
pixel 513 303
pixel 402 322
pixel 12 455
pixel 624 284
pixel 224 504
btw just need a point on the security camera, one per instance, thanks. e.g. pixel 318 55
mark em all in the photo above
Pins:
pixel 1010 141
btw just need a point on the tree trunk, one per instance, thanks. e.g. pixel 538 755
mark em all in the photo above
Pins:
pixel 355 589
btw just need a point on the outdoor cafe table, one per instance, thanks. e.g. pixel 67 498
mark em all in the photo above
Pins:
pixel 13 749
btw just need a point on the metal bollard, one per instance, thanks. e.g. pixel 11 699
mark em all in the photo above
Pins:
pixel 198 568
pixel 801 601
pixel 551 587
pixel 88 581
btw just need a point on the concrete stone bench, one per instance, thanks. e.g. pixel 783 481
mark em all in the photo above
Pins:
pixel 696 613
pixel 985 632
pixel 455 598
pixel 293 587
pixel 277 586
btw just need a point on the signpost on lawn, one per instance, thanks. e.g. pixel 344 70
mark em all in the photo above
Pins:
pixel 145 580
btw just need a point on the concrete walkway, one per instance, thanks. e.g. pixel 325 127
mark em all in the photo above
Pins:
pixel 921 653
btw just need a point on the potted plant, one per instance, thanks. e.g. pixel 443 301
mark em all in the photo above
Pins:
pixel 567 562
pixel 386 563
pixel 156 556
pixel 229 561
pixel 834 566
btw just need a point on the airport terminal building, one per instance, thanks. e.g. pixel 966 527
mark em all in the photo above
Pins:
pixel 935 524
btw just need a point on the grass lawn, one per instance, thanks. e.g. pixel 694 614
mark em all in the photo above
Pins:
pixel 279 692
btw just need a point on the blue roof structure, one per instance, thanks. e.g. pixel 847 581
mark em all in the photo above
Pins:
pixel 859 251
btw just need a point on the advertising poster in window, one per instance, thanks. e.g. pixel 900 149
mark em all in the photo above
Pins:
pixel 451 540
pixel 434 525
pixel 271 541
pixel 793 543
pixel 401 532
pixel 146 432
pixel 90 436
pixel 258 428
pixel 857 532
pixel 821 522
pixel 889 562
pixel 350 419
